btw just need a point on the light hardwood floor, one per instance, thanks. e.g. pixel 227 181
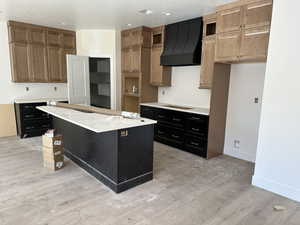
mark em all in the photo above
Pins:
pixel 186 190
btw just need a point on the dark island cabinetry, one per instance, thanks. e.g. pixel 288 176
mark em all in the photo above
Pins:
pixel 183 130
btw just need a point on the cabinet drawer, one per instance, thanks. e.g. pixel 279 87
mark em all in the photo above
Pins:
pixel 197 125
pixel 196 145
pixel 169 134
pixel 31 107
pixel 148 112
pixel 37 124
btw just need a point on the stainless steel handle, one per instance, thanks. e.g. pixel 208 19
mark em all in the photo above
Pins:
pixel 176 119
pixel 195 129
pixel 174 136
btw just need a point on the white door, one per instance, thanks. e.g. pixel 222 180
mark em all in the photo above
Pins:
pixel 78 79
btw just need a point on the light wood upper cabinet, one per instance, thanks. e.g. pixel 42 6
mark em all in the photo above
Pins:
pixel 159 75
pixel 208 61
pixel 38 53
pixel 38 63
pixel 68 40
pixel 257 14
pixel 250 41
pixel 19 62
pixel 229 20
pixel 254 44
pixel 140 36
pixel 228 46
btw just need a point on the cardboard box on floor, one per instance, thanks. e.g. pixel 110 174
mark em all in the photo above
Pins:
pixel 53 152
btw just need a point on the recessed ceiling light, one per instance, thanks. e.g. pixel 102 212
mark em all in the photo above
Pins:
pixel 167 13
pixel 129 24
pixel 146 11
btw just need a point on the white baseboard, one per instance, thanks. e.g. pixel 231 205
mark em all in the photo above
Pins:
pixel 277 188
pixel 239 155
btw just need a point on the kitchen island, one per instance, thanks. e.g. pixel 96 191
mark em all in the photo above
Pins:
pixel 115 150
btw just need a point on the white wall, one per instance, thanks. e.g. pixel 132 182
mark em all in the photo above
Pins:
pixel 278 156
pixel 100 43
pixel 10 90
pixel 243 115
pixel 184 89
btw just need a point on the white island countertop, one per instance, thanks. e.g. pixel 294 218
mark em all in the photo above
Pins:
pixel 195 110
pixel 94 121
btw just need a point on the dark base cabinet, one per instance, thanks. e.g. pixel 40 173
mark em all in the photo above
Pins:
pixel 185 131
pixel 31 122
pixel 120 159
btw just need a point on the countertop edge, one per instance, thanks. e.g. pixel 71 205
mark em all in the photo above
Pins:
pixel 156 105
pixel 24 101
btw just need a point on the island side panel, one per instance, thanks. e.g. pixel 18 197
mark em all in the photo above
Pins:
pixel 94 152
pixel 135 156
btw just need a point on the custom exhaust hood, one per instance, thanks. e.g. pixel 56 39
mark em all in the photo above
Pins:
pixel 183 43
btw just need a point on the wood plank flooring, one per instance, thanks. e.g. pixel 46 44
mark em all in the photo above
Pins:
pixel 186 190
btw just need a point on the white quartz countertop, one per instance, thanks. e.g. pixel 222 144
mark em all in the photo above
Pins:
pixel 94 121
pixel 195 110
pixel 22 101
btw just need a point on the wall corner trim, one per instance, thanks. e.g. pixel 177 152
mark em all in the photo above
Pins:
pixel 278 188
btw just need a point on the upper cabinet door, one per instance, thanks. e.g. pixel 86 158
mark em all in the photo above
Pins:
pixel 126 42
pixel 38 63
pixel 18 34
pixel 19 62
pixel 208 61
pixel 254 45
pixel 258 14
pixel 37 36
pixel 54 64
pixel 228 46
pixel 136 37
pixel 156 69
pixel 126 60
pixel 69 40
pixel 53 38
pixel 229 20
pixel 135 59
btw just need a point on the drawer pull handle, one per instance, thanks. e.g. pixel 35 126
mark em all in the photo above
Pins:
pixel 160 116
pixel 160 132
pixel 195 129
pixel 195 118
pixel 175 136
pixel 194 143
pixel 176 119
pixel 29 116
pixel 27 128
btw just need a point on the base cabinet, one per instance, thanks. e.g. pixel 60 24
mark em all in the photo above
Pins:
pixel 186 131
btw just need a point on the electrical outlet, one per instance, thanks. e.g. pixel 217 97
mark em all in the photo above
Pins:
pixel 256 100
pixel 163 92
pixel 237 144
pixel 55 88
